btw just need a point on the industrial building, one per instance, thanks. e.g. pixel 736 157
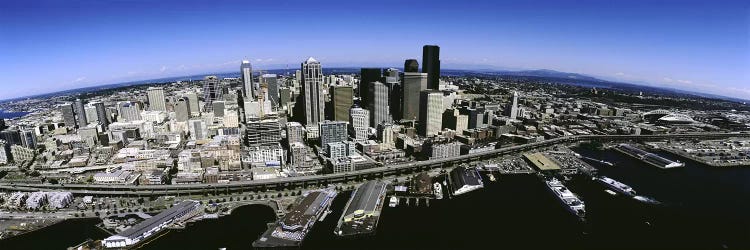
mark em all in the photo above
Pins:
pixel 153 225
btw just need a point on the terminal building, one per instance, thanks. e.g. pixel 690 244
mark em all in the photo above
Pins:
pixel 362 212
pixel 153 225
pixel 464 180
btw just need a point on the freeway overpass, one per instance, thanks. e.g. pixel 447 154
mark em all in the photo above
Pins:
pixel 315 180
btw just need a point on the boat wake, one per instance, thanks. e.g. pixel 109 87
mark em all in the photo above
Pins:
pixel 645 199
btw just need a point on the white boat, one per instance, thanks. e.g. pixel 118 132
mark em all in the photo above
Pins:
pixel 438 189
pixel 571 202
pixel 492 177
pixel 616 186
pixel 393 202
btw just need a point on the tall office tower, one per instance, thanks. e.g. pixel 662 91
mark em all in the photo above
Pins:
pixel 385 136
pixel 195 109
pixel 129 111
pixel 211 92
pixel 4 152
pixel 248 88
pixel 28 139
pixel 331 131
pixel 272 85
pixel 512 110
pixel 367 76
pixel 218 108
pixel 430 112
pixel 69 116
pixel 411 65
pixel 343 98
pixel 81 113
pixel 413 84
pixel 198 129
pixel 156 101
pixel 91 115
pixel 12 137
pixel 295 133
pixel 392 81
pixel 3 126
pixel 380 111
pixel 359 123
pixel 182 109
pixel 312 82
pixel 454 120
pixel 101 114
pixel 431 65
pixel 263 132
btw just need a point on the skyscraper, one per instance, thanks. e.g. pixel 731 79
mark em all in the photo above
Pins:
pixel 195 109
pixel 81 114
pixel 218 108
pixel 129 111
pixel 512 110
pixel 68 115
pixel 393 82
pixel 413 84
pixel 295 133
pixel 359 123
pixel 211 92
pixel 272 85
pixel 28 139
pixel 263 132
pixel 411 65
pixel 156 99
pixel 198 129
pixel 431 112
pixel 248 89
pixel 342 101
pixel 431 65
pixel 182 109
pixel 367 76
pixel 332 131
pixel 101 114
pixel 312 81
pixel 380 111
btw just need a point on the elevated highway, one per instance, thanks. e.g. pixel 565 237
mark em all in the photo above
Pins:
pixel 316 180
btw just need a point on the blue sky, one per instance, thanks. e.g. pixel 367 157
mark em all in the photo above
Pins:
pixel 48 46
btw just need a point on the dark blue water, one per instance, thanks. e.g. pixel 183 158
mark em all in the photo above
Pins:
pixel 705 208
pixel 11 115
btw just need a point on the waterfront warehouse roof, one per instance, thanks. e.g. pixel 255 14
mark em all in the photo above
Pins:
pixel 148 224
pixel 365 199
pixel 303 212
pixel 541 162
pixel 461 177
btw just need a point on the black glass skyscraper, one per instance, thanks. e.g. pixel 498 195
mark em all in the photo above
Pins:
pixel 411 65
pixel 367 76
pixel 431 65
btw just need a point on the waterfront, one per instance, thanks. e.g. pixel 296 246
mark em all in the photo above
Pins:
pixel 11 115
pixel 704 208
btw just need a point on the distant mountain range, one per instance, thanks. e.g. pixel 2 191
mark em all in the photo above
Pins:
pixel 561 77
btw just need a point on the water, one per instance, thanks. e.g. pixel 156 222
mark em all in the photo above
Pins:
pixel 703 208
pixel 11 115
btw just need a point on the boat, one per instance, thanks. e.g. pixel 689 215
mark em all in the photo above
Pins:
pixel 571 202
pixel 393 202
pixel 492 177
pixel 438 189
pixel 616 186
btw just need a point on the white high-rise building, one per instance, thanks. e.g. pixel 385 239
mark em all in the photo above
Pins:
pixel 332 131
pixel 295 132
pixel 248 87
pixel 430 112
pixel 513 109
pixel 129 111
pixel 211 92
pixel 194 108
pixel 312 81
pixel 380 111
pixel 359 123
pixel 156 99
pixel 198 129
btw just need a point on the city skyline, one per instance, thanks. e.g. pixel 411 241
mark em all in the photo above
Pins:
pixel 686 48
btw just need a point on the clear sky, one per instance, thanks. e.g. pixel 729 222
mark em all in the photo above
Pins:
pixel 47 46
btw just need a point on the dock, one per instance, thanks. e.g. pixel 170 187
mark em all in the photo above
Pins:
pixel 647 157
pixel 362 212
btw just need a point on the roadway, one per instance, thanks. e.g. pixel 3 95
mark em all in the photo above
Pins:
pixel 321 180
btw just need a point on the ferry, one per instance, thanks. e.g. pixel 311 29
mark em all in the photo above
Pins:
pixel 569 199
pixel 393 202
pixel 492 177
pixel 438 189
pixel 616 186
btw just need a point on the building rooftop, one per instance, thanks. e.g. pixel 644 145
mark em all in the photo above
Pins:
pixel 541 162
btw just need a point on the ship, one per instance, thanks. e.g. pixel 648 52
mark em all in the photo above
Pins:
pixel 571 202
pixel 438 189
pixel 616 186
pixel 393 202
